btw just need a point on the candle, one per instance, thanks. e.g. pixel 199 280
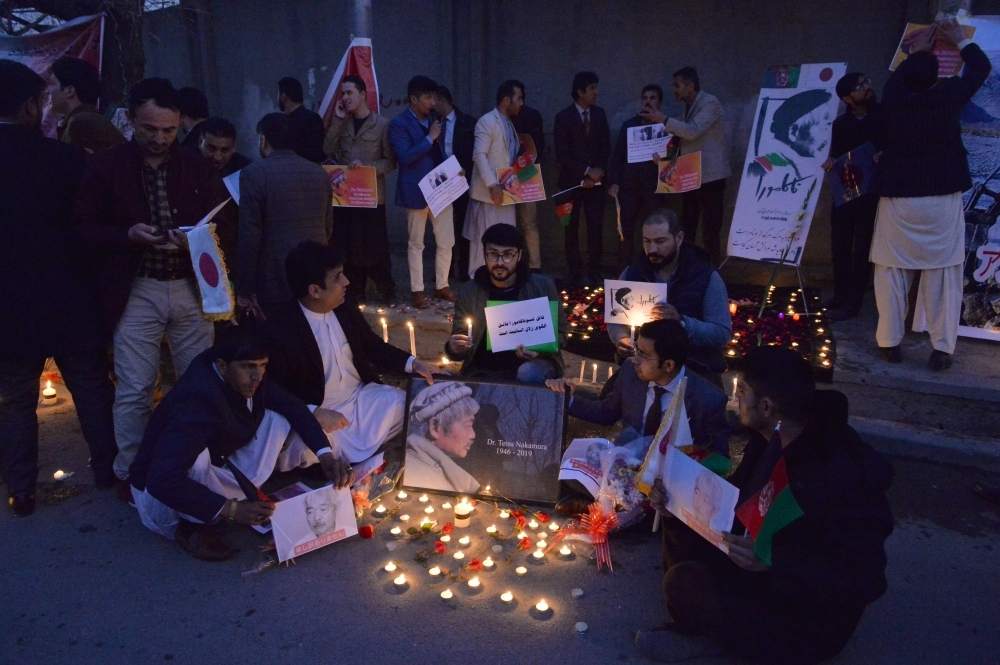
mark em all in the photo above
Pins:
pixel 565 551
pixel 497 549
pixel 380 509
pixel 429 509
pixel 594 375
pixel 423 498
pixel 577 593
pixel 542 606
pixel 553 527
pixel 404 518
pixel 435 571
pixel 49 394
pixel 491 529
pixel 468 322
pixel 445 538
pixel 396 531
pixel 581 627
pixel 459 556
pixel 487 562
pixel 463 512
pixel 506 596
pixel 446 594
pixel 413 340
pixel 533 524
pixel 425 521
pixel 389 567
pixel 521 570
pixel 446 506
pixel 504 514
pixel 583 368
pixel 474 583
pixel 541 544
pixel 400 581
pixel 538 554
pixel 385 332
pixel 401 496
pixel 59 474
pixel 464 540
pixel 633 335
pixel 610 372
pixel 732 309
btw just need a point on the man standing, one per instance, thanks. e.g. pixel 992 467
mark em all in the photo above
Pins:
pixel 194 113
pixel 505 277
pixel 529 121
pixel 218 145
pixel 702 130
pixel 48 307
pixel 920 227
pixel 75 90
pixel 414 135
pixel 634 184
pixel 696 295
pixel 284 199
pixel 583 145
pixel 358 137
pixel 458 132
pixel 130 204
pixel 851 223
pixel 496 147
pixel 307 126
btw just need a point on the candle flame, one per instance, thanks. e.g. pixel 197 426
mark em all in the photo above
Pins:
pixel 48 385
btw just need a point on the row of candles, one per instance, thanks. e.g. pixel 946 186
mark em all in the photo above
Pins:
pixel 413 336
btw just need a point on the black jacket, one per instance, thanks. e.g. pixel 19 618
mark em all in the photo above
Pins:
pixel 529 121
pixel 832 559
pixel 295 362
pixel 576 152
pixel 850 131
pixel 203 412
pixel 48 303
pixel 920 133
pixel 463 140
pixel 639 176
pixel 309 132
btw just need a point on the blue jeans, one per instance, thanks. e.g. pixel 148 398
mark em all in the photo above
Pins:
pixel 537 371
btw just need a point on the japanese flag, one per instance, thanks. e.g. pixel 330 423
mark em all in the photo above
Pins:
pixel 217 301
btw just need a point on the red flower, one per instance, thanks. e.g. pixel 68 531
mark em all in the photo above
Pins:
pixel 366 531
pixel 475 564
pixel 520 521
pixel 439 547
pixel 447 528
pixel 516 513
pixel 523 544
pixel 543 517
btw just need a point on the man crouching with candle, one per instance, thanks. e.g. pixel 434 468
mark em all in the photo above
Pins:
pixel 222 407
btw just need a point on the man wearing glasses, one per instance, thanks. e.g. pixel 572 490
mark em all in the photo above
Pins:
pixel 506 277
pixel 852 223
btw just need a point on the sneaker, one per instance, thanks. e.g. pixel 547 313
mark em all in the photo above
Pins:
pixel 939 360
pixel 420 300
pixel 666 644
pixel 445 294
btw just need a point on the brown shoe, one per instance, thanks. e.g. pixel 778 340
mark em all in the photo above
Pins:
pixel 202 542
pixel 445 294
pixel 420 300
pixel 573 504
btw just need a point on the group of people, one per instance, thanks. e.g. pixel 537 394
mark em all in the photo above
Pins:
pixel 96 257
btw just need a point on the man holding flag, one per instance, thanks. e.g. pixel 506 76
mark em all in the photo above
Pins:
pixel 812 499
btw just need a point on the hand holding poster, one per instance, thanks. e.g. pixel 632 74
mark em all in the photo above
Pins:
pixel 643 142
pixel 949 59
pixel 698 497
pixel 679 175
pixel 631 303
pixel 355 187
pixel 521 182
pixel 851 174
pixel 527 322
pixel 443 185
pixel 309 521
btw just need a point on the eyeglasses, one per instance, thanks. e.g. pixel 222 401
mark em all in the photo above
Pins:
pixel 858 87
pixel 506 257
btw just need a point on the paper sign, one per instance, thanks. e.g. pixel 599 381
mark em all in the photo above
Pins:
pixel 521 186
pixel 353 188
pixel 949 58
pixel 443 185
pixel 309 521
pixel 551 347
pixel 582 462
pixel 367 468
pixel 851 174
pixel 631 303
pixel 232 183
pixel 643 142
pixel 526 322
pixel 698 497
pixel 679 175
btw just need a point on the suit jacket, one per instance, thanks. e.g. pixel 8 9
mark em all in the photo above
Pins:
pixel 112 198
pixel 47 298
pixel 576 152
pixel 489 154
pixel 416 157
pixel 639 176
pixel 295 362
pixel 202 412
pixel 703 130
pixel 370 146
pixel 529 121
pixel 705 404
pixel 284 200
pixel 920 133
pixel 463 139
pixel 307 127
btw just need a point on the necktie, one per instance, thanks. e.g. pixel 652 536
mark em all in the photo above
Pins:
pixel 655 413
pixel 586 122
pixel 444 137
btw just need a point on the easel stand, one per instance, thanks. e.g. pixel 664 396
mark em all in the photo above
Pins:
pixel 776 266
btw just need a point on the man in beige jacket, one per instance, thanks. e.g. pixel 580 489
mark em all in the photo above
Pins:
pixel 495 148
pixel 358 137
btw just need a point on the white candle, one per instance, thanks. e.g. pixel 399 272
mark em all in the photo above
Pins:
pixel 565 551
pixel 633 335
pixel 59 474
pixel 577 593
pixel 581 627
pixel 541 544
pixel 538 554
pixel 404 518
pixel 533 524
pixel 459 556
pixel 425 521
pixel 497 549
pixel 506 596
pixel 610 372
pixel 464 540
pixel 504 514
pixel 413 340
pixel 446 594
pixel 463 512
pixel 445 538
pixel 583 368
pixel 542 606
pixel 429 509
pixel 593 377
pixel 389 567
pixel 423 498
pixel 396 531
pixel 487 562
pixel 385 332
pixel 474 582
pixel 468 322
pixel 491 529
pixel 553 527
pixel 521 570
pixel 445 506
pixel 49 394
pixel 401 496
pixel 400 581
pixel 380 509
pixel 435 571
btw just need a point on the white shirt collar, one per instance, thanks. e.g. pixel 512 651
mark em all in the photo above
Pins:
pixel 580 110
pixel 315 316
pixel 671 387
pixel 451 116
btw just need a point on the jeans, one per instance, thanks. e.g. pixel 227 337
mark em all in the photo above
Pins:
pixel 537 371
pixel 155 308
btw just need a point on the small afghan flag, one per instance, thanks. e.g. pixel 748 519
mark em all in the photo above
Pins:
pixel 769 510
pixel 524 167
pixel 563 211
pixel 714 462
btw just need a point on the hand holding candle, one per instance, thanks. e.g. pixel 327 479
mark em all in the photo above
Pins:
pixel 413 340
pixel 385 332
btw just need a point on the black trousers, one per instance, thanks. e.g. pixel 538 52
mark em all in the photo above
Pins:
pixel 705 204
pixel 636 205
pixel 362 234
pixel 460 252
pixel 851 228
pixel 86 377
pixel 708 594
pixel 591 201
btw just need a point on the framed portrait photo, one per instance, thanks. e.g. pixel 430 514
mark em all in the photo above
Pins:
pixel 484 439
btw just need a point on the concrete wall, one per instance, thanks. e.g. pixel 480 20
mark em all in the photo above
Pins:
pixel 238 49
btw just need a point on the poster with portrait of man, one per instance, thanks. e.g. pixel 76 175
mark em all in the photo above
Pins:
pixel 312 520
pixel 631 303
pixel 782 173
pixel 699 497
pixel 485 439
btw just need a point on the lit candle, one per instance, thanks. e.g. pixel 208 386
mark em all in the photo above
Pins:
pixel 463 512
pixel 49 394
pixel 459 556
pixel 474 583
pixel 506 596
pixel 538 554
pixel 59 474
pixel 425 521
pixel 445 538
pixel 435 571
pixel 429 509
pixel 389 567
pixel 491 529
pixel 446 506
pixel 396 531
pixel 610 372
pixel 553 527
pixel 401 496
pixel 504 514
pixel 541 544
pixel 487 562
pixel 468 322
pixel 633 334
pixel 380 509
pixel 385 332
pixel 446 594
pixel 732 309
pixel 464 540
pixel 521 570
pixel 542 606
pixel 423 498
pixel 533 524
pixel 404 518
pixel 413 340
pixel 400 581
pixel 583 368
pixel 593 377
pixel 565 551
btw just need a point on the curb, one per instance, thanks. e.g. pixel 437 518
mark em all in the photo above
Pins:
pixel 901 440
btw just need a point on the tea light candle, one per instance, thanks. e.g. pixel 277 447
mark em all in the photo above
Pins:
pixel 581 627
pixel 542 606
pixel 445 538
pixel 445 506
pixel 49 394
pixel 385 332
pixel 401 496
pixel 533 524
pixel 413 340
pixel 429 509
pixel 459 556
pixel 504 514
pixel 446 594
pixel 391 546
pixel 491 529
pixel 396 531
pixel 380 509
pixel 521 570
pixel 553 527
pixel 404 518
pixel 487 562
pixel 400 581
pixel 506 596
pixel 577 593
pixel 497 549
pixel 474 583
pixel 565 551
pixel 423 498
pixel 389 567
pixel 464 540
pixel 435 571
pixel 538 554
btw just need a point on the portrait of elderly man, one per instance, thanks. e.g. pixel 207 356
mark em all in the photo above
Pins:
pixel 802 122
pixel 441 427
pixel 321 512
pixel 623 300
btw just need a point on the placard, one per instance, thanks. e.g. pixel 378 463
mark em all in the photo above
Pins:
pixel 631 303
pixel 698 497
pixel 676 176
pixel 312 520
pixel 522 186
pixel 443 185
pixel 551 347
pixel 353 187
pixel 645 141
pixel 232 183
pixel 949 58
pixel 527 322
pixel 487 439
pixel 582 462
pixel 789 142
pixel 851 175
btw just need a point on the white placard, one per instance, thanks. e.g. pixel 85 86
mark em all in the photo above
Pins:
pixel 643 142
pixel 527 322
pixel 443 185
pixel 309 521
pixel 698 497
pixel 366 468
pixel 582 462
pixel 232 183
pixel 631 303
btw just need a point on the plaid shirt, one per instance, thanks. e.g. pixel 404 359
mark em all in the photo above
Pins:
pixel 159 262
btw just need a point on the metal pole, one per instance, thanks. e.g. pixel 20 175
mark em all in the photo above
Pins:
pixel 361 18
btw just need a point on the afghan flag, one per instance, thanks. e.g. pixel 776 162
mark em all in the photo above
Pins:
pixel 714 462
pixel 525 169
pixel 769 511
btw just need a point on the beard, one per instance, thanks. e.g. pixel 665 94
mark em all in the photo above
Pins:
pixel 662 259
pixel 501 274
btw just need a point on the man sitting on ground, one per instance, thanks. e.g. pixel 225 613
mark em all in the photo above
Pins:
pixel 641 395
pixel 222 407
pixel 325 353
pixel 505 277
pixel 827 545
